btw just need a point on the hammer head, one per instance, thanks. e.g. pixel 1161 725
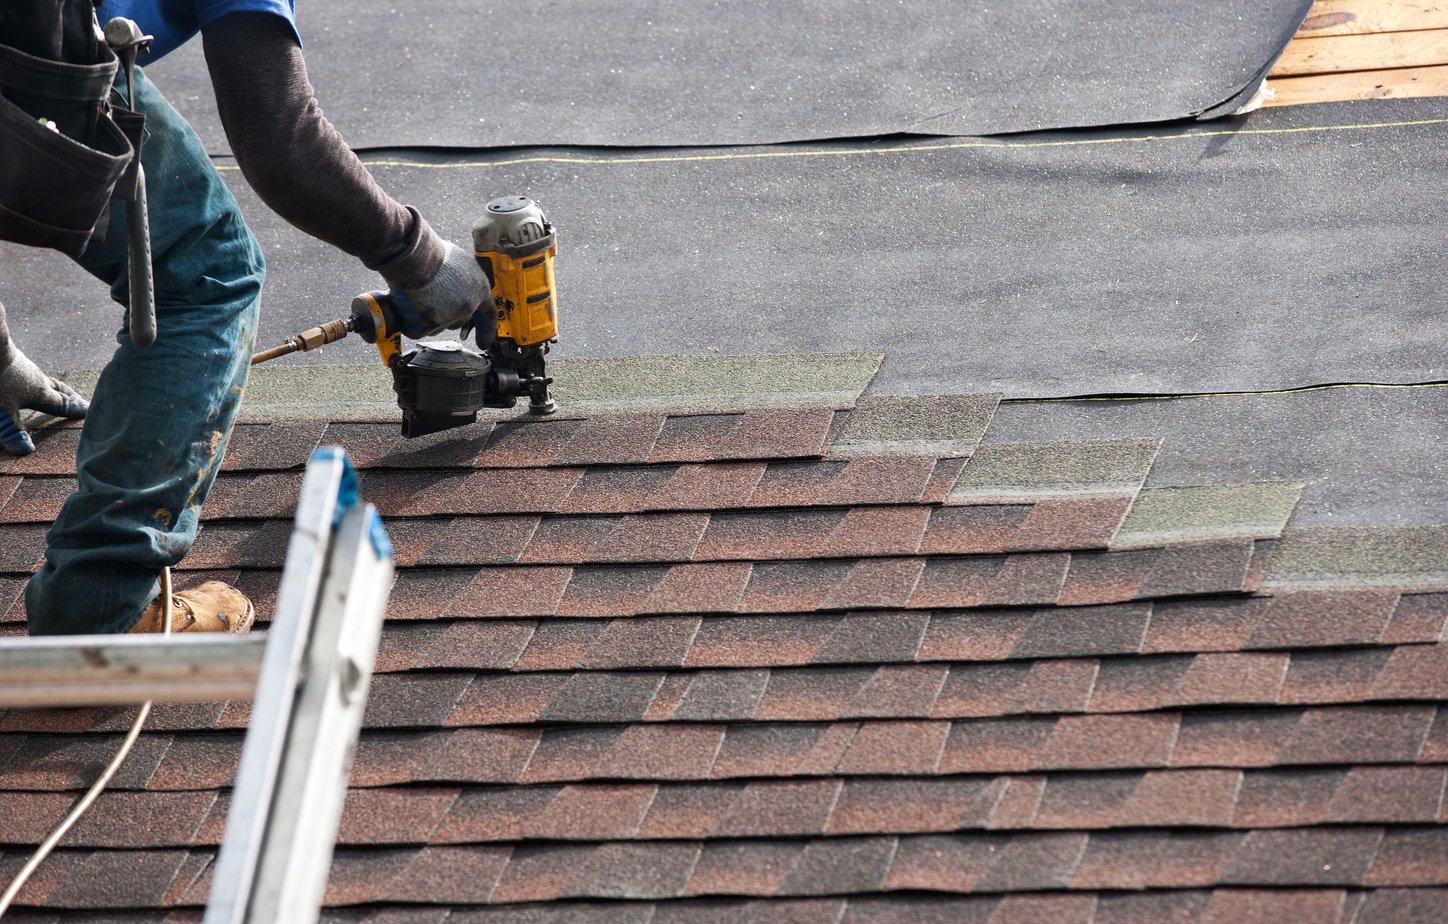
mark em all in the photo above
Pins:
pixel 124 33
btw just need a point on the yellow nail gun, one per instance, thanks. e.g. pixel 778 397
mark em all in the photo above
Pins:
pixel 443 384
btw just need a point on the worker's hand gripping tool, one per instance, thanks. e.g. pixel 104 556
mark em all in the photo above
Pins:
pixel 443 384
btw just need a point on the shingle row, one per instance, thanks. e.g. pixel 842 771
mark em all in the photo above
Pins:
pixel 654 538
pixel 664 537
pixel 1020 579
pixel 1226 905
pixel 942 691
pixel 742 586
pixel 1259 738
pixel 1309 619
pixel 737 535
pixel 561 490
pixel 445 748
pixel 960 863
pixel 1206 798
pixel 870 637
pixel 33 756
pixel 795 808
pixel 33 762
pixel 614 439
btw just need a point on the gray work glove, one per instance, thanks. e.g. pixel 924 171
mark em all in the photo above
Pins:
pixel 24 386
pixel 447 300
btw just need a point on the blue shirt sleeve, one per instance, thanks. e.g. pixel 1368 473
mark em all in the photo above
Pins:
pixel 175 22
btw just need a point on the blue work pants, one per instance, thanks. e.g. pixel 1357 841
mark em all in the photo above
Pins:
pixel 161 415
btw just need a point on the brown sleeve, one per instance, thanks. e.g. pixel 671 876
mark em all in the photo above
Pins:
pixel 297 162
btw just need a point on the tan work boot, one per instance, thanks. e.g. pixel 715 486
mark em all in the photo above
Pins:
pixel 210 607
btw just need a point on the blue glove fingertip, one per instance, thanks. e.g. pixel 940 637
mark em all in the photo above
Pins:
pixel 411 321
pixel 15 440
pixel 76 405
pixel 485 327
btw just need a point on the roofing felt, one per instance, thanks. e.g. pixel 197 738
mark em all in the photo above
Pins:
pixel 637 669
pixel 1369 456
pixel 1182 259
pixel 584 72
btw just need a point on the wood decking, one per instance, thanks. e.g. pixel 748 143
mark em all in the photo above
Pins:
pixel 1364 49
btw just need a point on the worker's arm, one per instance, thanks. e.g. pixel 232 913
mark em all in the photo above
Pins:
pixel 302 168
pixel 24 386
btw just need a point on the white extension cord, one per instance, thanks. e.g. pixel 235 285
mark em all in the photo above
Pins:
pixel 94 792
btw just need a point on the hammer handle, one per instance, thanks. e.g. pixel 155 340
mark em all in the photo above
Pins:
pixel 138 249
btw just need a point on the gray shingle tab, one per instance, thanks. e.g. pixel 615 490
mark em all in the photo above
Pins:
pixel 1202 513
pixel 1023 472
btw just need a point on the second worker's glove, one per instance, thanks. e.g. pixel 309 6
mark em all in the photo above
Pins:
pixel 24 386
pixel 447 300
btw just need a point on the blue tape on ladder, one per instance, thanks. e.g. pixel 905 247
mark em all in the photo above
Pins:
pixel 347 488
pixel 349 496
pixel 381 543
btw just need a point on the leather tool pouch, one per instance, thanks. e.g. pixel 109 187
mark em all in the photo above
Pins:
pixel 55 184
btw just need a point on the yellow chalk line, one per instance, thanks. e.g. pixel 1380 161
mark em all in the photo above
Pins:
pixel 857 152
pixel 1228 394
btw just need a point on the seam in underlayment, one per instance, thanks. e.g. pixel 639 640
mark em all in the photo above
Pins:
pixel 898 149
pixel 1173 396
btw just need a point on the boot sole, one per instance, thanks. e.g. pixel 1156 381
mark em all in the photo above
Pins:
pixel 246 622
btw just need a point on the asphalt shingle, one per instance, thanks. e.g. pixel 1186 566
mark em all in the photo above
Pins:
pixel 745 662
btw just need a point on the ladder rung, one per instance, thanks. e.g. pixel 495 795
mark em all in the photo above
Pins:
pixel 91 670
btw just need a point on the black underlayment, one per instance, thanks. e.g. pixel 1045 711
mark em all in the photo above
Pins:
pixel 1368 456
pixel 463 74
pixel 1292 247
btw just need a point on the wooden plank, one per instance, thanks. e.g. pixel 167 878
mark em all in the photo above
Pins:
pixel 1362 17
pixel 1390 84
pixel 1362 53
pixel 89 670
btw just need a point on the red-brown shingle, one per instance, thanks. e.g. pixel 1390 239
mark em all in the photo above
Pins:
pixel 680 667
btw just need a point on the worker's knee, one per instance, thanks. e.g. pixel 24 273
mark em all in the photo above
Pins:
pixel 216 266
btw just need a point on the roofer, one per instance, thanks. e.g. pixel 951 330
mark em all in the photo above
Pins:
pixel 154 436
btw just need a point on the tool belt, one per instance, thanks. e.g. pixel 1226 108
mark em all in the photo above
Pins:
pixel 62 154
